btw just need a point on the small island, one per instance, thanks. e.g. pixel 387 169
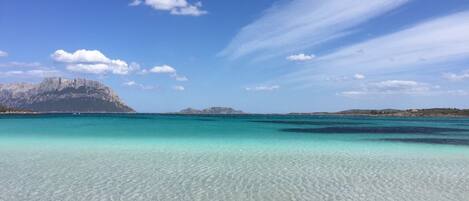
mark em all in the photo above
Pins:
pixel 211 111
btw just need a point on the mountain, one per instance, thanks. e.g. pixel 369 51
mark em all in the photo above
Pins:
pixel 62 95
pixel 212 110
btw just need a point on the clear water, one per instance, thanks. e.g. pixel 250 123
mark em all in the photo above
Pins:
pixel 252 157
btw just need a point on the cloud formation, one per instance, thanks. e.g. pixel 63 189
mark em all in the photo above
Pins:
pixel 135 84
pixel 179 78
pixel 166 69
pixel 3 53
pixel 263 88
pixel 300 24
pixel 457 77
pixel 359 76
pixel 41 73
pixel 175 7
pixel 163 69
pixel 90 61
pixel 16 64
pixel 426 44
pixel 179 88
pixel 389 87
pixel 301 57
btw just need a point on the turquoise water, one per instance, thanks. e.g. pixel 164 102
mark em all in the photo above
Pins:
pixel 247 157
pixel 148 129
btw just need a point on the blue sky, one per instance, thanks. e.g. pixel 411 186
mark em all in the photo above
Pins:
pixel 258 56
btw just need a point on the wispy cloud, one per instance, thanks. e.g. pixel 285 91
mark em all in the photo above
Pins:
pixel 263 88
pixel 390 87
pixel 301 24
pixel 16 64
pixel 41 73
pixel 179 78
pixel 3 53
pixel 175 7
pixel 436 41
pixel 90 61
pixel 179 88
pixel 141 86
pixel 457 76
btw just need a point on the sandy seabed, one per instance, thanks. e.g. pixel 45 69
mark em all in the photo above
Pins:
pixel 241 175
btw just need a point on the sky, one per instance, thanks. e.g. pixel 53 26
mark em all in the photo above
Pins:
pixel 263 56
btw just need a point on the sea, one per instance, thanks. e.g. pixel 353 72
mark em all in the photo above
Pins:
pixel 120 157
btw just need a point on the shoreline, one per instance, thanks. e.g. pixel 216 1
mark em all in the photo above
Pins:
pixel 245 114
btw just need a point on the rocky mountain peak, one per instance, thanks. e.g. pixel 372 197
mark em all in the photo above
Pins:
pixel 58 94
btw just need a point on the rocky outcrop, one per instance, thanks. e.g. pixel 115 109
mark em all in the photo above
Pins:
pixel 62 95
pixel 212 110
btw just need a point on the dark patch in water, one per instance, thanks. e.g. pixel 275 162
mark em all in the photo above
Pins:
pixel 429 141
pixel 378 130
pixel 205 119
pixel 316 123
pixel 133 117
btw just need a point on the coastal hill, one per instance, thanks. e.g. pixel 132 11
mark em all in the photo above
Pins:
pixel 431 112
pixel 211 110
pixel 62 95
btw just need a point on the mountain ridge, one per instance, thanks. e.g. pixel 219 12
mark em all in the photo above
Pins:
pixel 58 94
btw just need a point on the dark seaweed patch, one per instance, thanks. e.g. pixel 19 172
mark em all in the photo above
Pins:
pixel 376 130
pixel 429 141
pixel 205 119
pixel 316 123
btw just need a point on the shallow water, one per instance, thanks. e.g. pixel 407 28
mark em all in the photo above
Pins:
pixel 252 157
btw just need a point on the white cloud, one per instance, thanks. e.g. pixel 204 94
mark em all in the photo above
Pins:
pixel 175 7
pixel 3 53
pixel 263 88
pixel 457 77
pixel 91 61
pixel 301 57
pixel 179 88
pixel 359 76
pixel 391 87
pixel 135 84
pixel 433 42
pixel 163 69
pixel 80 56
pixel 300 24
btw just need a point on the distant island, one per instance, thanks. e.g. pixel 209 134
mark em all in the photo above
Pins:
pixel 211 110
pixel 62 95
pixel 431 112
